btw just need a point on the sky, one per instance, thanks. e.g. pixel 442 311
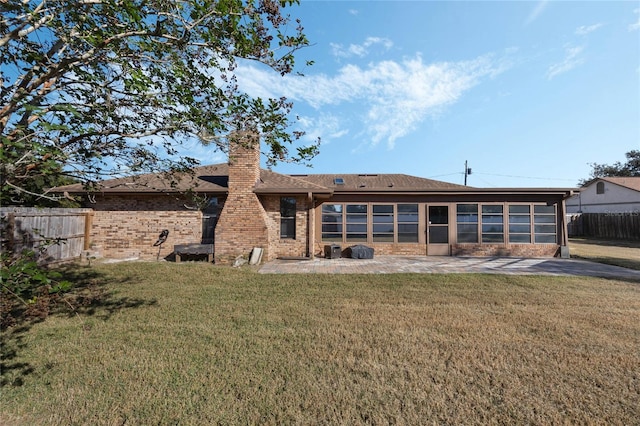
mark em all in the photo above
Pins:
pixel 528 94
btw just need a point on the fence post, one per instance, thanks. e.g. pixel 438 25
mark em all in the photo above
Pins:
pixel 10 230
pixel 88 221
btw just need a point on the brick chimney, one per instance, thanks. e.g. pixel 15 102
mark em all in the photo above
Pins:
pixel 243 221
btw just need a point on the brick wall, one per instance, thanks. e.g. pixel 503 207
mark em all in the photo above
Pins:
pixel 243 221
pixel 515 250
pixel 286 247
pixel 480 250
pixel 128 226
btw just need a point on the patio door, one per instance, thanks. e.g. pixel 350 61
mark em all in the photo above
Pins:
pixel 438 230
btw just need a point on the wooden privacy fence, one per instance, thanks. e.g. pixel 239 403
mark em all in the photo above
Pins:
pixel 31 228
pixel 616 226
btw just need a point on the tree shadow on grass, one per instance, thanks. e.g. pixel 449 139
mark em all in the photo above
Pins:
pixel 88 297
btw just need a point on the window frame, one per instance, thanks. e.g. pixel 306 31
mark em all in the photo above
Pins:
pixel 325 225
pixel 485 235
pixel 288 218
pixel 467 224
pixel 348 228
pixel 401 223
pixel 539 220
pixel 514 214
pixel 354 227
pixel 378 221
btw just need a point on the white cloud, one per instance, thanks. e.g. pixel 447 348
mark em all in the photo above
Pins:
pixel 635 26
pixel 537 11
pixel 390 98
pixel 360 50
pixel 326 126
pixel 584 30
pixel 571 60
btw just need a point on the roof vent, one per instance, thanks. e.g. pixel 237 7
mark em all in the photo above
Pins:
pixel 338 181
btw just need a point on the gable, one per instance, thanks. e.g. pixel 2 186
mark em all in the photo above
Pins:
pixel 632 183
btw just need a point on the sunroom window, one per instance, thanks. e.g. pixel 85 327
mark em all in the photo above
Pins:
pixel 356 222
pixel 408 223
pixel 332 222
pixel 467 223
pixel 383 223
pixel 492 224
pixel 520 224
pixel 544 224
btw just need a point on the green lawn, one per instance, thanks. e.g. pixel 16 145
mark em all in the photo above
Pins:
pixel 193 344
pixel 618 253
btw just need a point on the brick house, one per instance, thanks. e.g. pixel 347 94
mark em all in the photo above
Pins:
pixel 240 206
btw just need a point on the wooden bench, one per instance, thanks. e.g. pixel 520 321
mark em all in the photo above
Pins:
pixel 195 249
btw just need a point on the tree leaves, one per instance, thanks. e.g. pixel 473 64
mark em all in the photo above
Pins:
pixel 102 86
pixel 629 169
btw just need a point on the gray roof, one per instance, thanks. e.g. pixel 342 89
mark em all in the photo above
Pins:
pixel 214 179
pixel 377 182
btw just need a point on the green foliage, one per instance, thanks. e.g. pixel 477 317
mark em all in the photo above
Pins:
pixel 23 277
pixel 629 169
pixel 93 89
pixel 27 286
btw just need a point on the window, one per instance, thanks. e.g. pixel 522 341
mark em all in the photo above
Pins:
pixel 544 224
pixel 385 223
pixel 467 223
pixel 332 222
pixel 407 223
pixel 383 226
pixel 520 224
pixel 210 215
pixel 356 222
pixel 600 188
pixel 492 224
pixel 288 217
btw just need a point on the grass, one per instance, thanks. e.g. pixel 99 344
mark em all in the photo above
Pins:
pixel 618 253
pixel 193 344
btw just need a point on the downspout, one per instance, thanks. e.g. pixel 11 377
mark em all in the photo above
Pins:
pixel 311 228
pixel 564 246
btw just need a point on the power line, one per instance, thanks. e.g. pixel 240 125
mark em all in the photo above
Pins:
pixel 447 174
pixel 509 176
pixel 526 177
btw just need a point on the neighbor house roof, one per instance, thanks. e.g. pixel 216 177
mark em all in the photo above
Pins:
pixel 632 183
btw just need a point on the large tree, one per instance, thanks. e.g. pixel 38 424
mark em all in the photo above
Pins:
pixel 629 169
pixel 92 88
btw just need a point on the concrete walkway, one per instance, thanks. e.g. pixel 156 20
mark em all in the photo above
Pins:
pixel 437 264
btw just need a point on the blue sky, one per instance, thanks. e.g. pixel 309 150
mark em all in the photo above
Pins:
pixel 529 93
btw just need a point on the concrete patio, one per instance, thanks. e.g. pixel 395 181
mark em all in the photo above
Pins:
pixel 437 264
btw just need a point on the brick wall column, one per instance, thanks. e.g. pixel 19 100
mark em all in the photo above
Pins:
pixel 243 221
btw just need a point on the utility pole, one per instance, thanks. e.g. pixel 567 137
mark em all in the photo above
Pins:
pixel 467 172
